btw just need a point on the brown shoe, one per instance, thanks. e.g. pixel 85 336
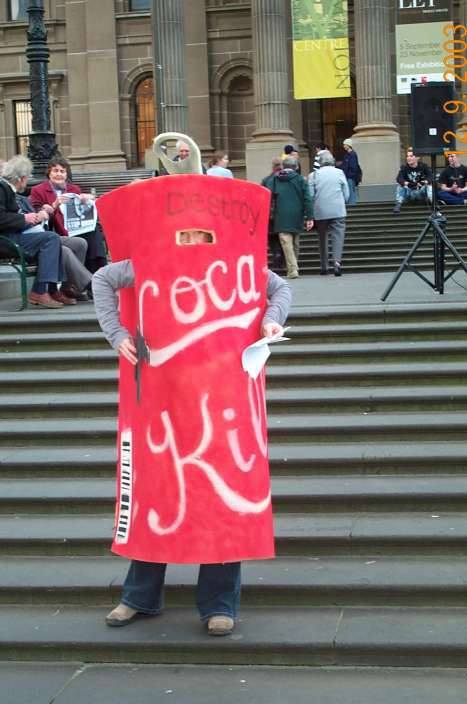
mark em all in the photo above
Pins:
pixel 220 625
pixel 122 615
pixel 44 300
pixel 62 298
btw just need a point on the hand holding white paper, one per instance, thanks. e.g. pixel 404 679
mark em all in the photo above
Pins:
pixel 255 356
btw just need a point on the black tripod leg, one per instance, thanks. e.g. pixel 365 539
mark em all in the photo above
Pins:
pixel 406 261
pixel 438 261
pixel 447 243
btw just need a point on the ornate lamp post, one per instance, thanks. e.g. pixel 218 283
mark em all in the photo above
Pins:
pixel 42 144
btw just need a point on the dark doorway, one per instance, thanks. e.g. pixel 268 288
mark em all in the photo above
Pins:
pixel 339 120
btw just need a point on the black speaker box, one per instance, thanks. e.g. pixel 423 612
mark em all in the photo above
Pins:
pixel 429 119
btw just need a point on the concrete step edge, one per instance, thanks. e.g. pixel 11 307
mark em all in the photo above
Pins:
pixel 345 636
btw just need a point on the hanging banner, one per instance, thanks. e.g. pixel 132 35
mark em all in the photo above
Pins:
pixel 193 473
pixel 320 49
pixel 419 41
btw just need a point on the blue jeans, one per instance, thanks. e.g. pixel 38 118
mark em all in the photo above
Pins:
pixel 403 193
pixel 46 247
pixel 217 592
pixel 452 198
pixel 352 192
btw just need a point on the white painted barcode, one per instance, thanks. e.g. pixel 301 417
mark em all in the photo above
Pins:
pixel 126 486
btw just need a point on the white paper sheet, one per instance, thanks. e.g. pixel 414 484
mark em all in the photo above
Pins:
pixel 255 356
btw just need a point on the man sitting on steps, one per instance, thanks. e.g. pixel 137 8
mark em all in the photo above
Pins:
pixel 414 182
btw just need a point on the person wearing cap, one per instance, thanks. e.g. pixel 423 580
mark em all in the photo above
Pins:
pixel 351 169
pixel 290 150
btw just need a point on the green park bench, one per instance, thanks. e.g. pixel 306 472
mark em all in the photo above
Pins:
pixel 11 254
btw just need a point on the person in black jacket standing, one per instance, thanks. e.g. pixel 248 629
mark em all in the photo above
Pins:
pixel 352 170
pixel 414 182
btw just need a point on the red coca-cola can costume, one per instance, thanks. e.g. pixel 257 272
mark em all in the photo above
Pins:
pixel 193 476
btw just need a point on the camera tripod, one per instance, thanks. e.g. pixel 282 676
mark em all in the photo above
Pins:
pixel 435 224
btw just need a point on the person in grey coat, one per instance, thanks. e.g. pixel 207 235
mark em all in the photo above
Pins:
pixel 330 192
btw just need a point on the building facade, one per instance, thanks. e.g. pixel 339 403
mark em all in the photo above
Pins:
pixel 230 61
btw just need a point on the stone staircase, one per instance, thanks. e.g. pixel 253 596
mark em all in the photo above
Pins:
pixel 368 447
pixel 377 240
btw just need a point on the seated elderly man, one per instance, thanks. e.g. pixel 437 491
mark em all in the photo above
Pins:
pixel 25 230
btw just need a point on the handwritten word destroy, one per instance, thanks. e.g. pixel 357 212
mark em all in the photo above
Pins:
pixel 232 209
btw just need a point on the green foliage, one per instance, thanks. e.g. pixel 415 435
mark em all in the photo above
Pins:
pixel 319 19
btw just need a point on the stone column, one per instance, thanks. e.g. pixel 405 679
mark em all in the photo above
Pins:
pixel 169 45
pixel 93 86
pixel 271 81
pixel 375 138
pixel 199 116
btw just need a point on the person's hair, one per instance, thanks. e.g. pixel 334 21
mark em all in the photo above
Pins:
pixel 289 163
pixel 276 162
pixel 326 159
pixel 321 146
pixel 16 168
pixel 215 159
pixel 289 148
pixel 59 161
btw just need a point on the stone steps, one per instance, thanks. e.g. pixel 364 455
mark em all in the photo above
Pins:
pixel 440 492
pixel 407 637
pixel 63 683
pixel 359 533
pixel 293 581
pixel 359 458
pixel 290 429
pixel 81 319
pixel 300 353
pixel 300 334
pixel 278 377
pixel 368 452
pixel 104 404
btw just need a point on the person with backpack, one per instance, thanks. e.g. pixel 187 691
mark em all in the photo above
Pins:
pixel 352 170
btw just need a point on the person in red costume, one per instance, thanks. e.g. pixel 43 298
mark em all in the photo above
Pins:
pixel 50 194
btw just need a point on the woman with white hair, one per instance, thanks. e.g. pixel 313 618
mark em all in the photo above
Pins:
pixel 26 230
pixel 330 192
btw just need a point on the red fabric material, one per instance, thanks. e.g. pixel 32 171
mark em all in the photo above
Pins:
pixel 44 193
pixel 199 490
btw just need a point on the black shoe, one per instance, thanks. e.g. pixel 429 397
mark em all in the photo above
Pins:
pixel 73 292
pixel 337 270
pixel 324 272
